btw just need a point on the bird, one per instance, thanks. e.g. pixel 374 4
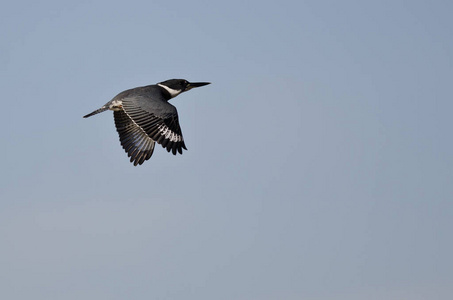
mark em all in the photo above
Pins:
pixel 143 117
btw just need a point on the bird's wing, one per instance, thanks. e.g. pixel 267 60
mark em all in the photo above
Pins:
pixel 137 144
pixel 158 118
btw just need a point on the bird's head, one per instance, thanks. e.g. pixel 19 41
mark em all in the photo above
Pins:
pixel 178 86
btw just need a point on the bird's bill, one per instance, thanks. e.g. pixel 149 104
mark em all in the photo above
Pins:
pixel 196 84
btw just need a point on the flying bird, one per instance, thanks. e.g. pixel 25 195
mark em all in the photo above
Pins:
pixel 143 117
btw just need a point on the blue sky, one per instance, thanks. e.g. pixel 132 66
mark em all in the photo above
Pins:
pixel 319 162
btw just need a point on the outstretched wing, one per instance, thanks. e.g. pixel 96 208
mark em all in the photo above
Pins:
pixel 137 144
pixel 158 119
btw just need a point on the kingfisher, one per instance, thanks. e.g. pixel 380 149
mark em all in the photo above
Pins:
pixel 143 117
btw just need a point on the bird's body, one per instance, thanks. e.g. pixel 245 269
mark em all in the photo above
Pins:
pixel 143 117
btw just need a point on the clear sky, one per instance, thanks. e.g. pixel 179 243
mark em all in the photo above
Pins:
pixel 319 162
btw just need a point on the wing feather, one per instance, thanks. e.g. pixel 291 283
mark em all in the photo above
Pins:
pixel 137 144
pixel 159 121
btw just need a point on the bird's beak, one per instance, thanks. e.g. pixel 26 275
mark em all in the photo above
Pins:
pixel 192 85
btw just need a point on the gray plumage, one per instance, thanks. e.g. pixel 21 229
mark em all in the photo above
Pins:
pixel 143 117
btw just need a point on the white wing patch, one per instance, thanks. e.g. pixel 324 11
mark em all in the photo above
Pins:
pixel 170 135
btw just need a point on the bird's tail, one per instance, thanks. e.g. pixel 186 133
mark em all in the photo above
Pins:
pixel 104 108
